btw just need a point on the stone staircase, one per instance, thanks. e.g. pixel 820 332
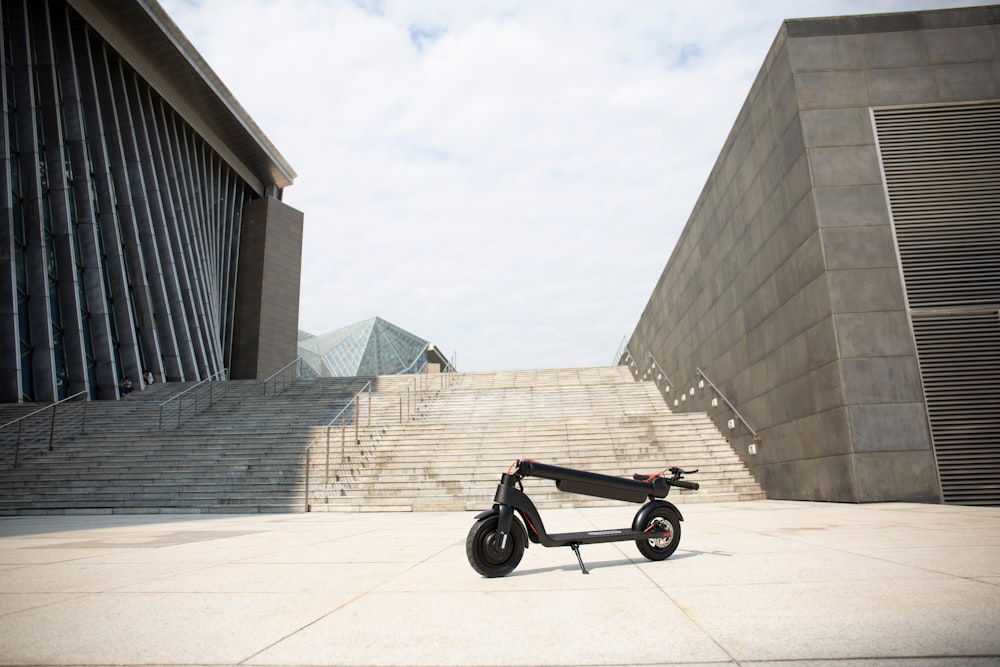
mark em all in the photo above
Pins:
pixel 244 454
pixel 423 443
pixel 598 419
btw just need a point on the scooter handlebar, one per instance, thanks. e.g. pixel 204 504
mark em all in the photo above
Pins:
pixel 684 485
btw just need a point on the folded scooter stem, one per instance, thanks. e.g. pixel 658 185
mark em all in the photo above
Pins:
pixel 595 484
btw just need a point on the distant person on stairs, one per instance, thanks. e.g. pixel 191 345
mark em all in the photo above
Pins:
pixel 124 387
pixel 147 377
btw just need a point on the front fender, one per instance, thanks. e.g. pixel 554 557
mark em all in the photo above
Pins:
pixel 496 512
pixel 640 520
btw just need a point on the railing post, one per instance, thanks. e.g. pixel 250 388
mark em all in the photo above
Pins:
pixel 343 438
pixel 52 426
pixel 17 450
pixel 357 419
pixel 305 500
pixel 328 453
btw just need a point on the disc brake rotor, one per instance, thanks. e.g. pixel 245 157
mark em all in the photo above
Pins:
pixel 660 526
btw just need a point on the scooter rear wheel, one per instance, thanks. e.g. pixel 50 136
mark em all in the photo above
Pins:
pixel 667 526
pixel 485 553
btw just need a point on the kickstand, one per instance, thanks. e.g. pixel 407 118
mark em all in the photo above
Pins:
pixel 576 550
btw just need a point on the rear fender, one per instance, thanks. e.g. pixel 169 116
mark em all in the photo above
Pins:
pixel 642 516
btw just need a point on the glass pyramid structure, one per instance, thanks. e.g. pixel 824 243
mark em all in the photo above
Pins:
pixel 367 348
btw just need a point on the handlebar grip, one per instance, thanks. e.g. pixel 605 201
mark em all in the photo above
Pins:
pixel 685 485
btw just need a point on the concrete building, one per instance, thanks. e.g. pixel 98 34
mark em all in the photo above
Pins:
pixel 140 217
pixel 838 281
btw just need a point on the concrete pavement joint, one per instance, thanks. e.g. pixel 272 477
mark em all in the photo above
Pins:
pixel 757 584
pixel 687 612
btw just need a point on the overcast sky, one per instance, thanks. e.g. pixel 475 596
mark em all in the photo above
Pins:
pixel 504 179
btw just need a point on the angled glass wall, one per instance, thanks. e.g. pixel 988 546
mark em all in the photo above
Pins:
pixel 371 347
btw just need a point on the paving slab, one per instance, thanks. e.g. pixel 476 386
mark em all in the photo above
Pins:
pixel 760 584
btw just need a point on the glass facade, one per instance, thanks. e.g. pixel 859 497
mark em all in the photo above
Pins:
pixel 121 220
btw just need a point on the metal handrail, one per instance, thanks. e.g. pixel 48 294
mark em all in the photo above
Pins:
pixel 419 377
pixel 180 396
pixel 22 437
pixel 622 349
pixel 728 403
pixel 631 360
pixel 280 376
pixel 339 415
pixel 448 365
pixel 410 396
pixel 342 417
pixel 670 385
pixel 419 357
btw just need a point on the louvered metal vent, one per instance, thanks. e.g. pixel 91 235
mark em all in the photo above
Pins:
pixel 960 365
pixel 942 171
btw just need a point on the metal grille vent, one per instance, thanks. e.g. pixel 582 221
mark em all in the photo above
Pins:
pixel 942 170
pixel 942 173
pixel 960 366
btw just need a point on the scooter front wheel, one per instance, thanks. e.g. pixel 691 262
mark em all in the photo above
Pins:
pixel 664 524
pixel 486 555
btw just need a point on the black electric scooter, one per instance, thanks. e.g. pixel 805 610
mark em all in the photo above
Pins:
pixel 497 540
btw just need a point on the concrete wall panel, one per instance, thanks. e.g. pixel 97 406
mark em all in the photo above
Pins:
pixel 824 90
pixel 865 290
pixel 859 247
pixel 910 85
pixel 839 52
pixel 877 334
pixel 969 81
pixel 851 206
pixel 896 476
pixel 890 427
pixel 964 44
pixel 893 49
pixel 878 380
pixel 844 165
pixel 847 126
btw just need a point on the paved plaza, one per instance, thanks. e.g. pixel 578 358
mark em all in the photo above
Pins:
pixel 755 583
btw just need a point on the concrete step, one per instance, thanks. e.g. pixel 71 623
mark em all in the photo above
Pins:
pixel 442 447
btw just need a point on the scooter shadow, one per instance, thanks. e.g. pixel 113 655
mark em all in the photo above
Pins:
pixel 597 565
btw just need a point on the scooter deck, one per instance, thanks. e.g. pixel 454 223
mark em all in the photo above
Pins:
pixel 600 536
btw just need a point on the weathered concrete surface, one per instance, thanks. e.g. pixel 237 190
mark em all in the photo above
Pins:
pixel 752 583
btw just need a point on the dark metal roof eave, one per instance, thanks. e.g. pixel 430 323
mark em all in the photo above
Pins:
pixel 149 40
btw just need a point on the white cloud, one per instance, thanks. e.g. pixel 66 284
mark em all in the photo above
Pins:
pixel 505 179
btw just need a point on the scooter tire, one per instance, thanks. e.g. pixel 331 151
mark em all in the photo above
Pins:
pixel 485 555
pixel 661 548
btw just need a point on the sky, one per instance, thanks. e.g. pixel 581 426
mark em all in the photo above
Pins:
pixel 504 179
